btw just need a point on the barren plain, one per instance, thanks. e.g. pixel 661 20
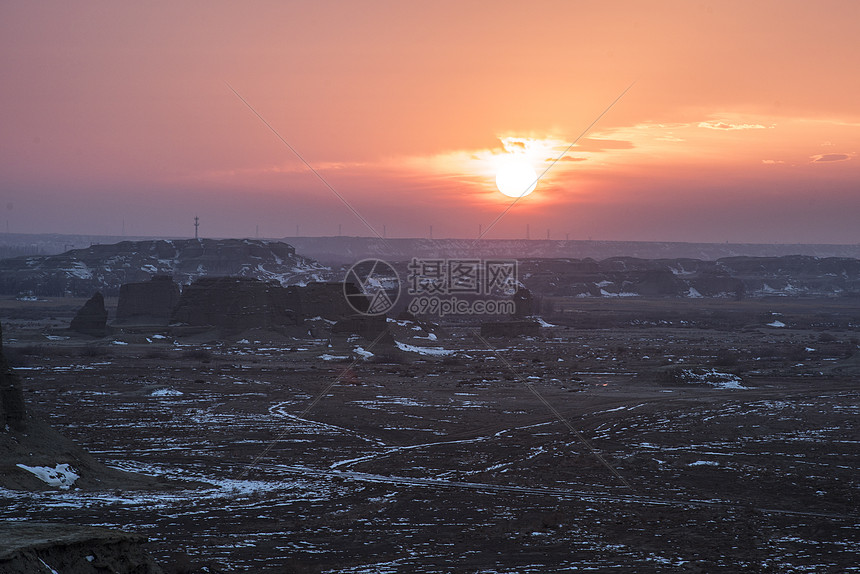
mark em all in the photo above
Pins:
pixel 632 435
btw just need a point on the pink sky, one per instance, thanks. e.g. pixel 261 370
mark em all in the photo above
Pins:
pixel 743 124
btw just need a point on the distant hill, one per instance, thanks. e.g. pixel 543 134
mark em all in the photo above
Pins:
pixel 341 250
pixel 551 268
pixel 80 272
pixel 728 277
pixel 17 244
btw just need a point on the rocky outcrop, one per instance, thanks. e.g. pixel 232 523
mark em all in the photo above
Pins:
pixel 13 413
pixel 105 268
pixel 91 319
pixel 147 303
pixel 235 304
pixel 34 547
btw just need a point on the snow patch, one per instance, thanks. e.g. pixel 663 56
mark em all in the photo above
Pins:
pixel 605 293
pixel 361 352
pixel 166 393
pixel 62 475
pixel 714 378
pixel 433 351
pixel 45 564
pixel 79 270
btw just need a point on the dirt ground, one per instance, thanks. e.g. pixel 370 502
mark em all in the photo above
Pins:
pixel 665 442
pixel 35 548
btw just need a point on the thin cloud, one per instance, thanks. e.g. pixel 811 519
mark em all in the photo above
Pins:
pixel 567 158
pixel 772 161
pixel 830 157
pixel 598 145
pixel 728 126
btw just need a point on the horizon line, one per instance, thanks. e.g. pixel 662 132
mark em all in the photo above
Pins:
pixel 287 238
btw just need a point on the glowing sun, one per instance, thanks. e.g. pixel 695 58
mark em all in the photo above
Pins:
pixel 516 177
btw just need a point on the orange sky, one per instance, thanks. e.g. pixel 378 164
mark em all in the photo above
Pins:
pixel 743 124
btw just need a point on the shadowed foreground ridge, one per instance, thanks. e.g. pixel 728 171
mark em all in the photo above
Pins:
pixel 35 548
pixel 32 547
pixel 27 440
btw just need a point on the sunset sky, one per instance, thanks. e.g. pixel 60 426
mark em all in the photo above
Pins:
pixel 742 123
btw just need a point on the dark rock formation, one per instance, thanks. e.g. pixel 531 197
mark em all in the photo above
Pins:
pixel 327 300
pixel 148 303
pixel 509 329
pixel 13 413
pixel 91 319
pixel 657 283
pixel 523 303
pixel 34 547
pixel 234 304
pixel 712 283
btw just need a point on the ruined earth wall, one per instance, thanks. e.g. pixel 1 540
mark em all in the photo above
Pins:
pixel 234 304
pixel 147 302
